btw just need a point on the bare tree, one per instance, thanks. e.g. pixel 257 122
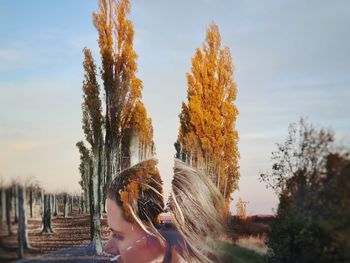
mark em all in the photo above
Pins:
pixel 304 152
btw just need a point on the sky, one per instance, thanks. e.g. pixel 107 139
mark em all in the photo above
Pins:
pixel 291 59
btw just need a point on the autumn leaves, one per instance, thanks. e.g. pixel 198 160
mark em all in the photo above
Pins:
pixel 207 136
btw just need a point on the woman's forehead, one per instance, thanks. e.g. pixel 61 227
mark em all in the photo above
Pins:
pixel 115 217
pixel 112 206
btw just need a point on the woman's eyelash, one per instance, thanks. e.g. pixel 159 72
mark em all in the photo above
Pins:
pixel 117 236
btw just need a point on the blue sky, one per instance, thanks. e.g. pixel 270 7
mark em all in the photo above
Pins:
pixel 291 58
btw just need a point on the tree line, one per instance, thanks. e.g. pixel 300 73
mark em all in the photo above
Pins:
pixel 123 134
pixel 20 201
pixel 117 130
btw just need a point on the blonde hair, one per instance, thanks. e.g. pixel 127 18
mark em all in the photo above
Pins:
pixel 197 206
pixel 198 210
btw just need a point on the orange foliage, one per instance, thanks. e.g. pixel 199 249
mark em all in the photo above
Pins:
pixel 123 89
pixel 207 131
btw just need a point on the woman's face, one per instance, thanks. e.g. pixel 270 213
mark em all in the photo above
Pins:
pixel 129 240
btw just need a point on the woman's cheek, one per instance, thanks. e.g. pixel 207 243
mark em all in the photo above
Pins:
pixel 111 247
pixel 129 256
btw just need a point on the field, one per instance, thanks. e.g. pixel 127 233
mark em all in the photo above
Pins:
pixel 246 245
pixel 73 231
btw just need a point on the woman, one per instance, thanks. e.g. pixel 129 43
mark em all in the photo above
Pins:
pixel 134 202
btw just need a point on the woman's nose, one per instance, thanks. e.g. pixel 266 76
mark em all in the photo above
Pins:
pixel 111 247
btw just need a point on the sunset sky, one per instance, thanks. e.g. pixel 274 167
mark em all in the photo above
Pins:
pixel 291 58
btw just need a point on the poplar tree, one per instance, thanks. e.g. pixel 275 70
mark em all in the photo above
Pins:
pixel 125 114
pixel 122 87
pixel 92 126
pixel 207 136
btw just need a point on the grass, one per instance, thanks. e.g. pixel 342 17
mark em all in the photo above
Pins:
pixel 237 254
pixel 255 243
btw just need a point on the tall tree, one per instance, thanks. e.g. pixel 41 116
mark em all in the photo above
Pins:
pixel 103 22
pixel 125 113
pixel 122 87
pixel 207 136
pixel 92 126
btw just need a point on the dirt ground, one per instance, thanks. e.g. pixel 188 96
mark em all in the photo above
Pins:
pixel 70 241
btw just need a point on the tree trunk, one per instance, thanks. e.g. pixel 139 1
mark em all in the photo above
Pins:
pixel 15 190
pixel 65 205
pixel 104 182
pixel 3 205
pixel 31 202
pixel 86 198
pixel 21 226
pixel 87 187
pixel 22 222
pixel 47 226
pixel 42 203
pixel 71 205
pixel 55 206
pixel 107 150
pixel 8 211
pixel 225 189
pixel 51 205
pixel 83 209
pixel 79 204
pixel 95 203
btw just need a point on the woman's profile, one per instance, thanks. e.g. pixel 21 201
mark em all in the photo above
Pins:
pixel 135 201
